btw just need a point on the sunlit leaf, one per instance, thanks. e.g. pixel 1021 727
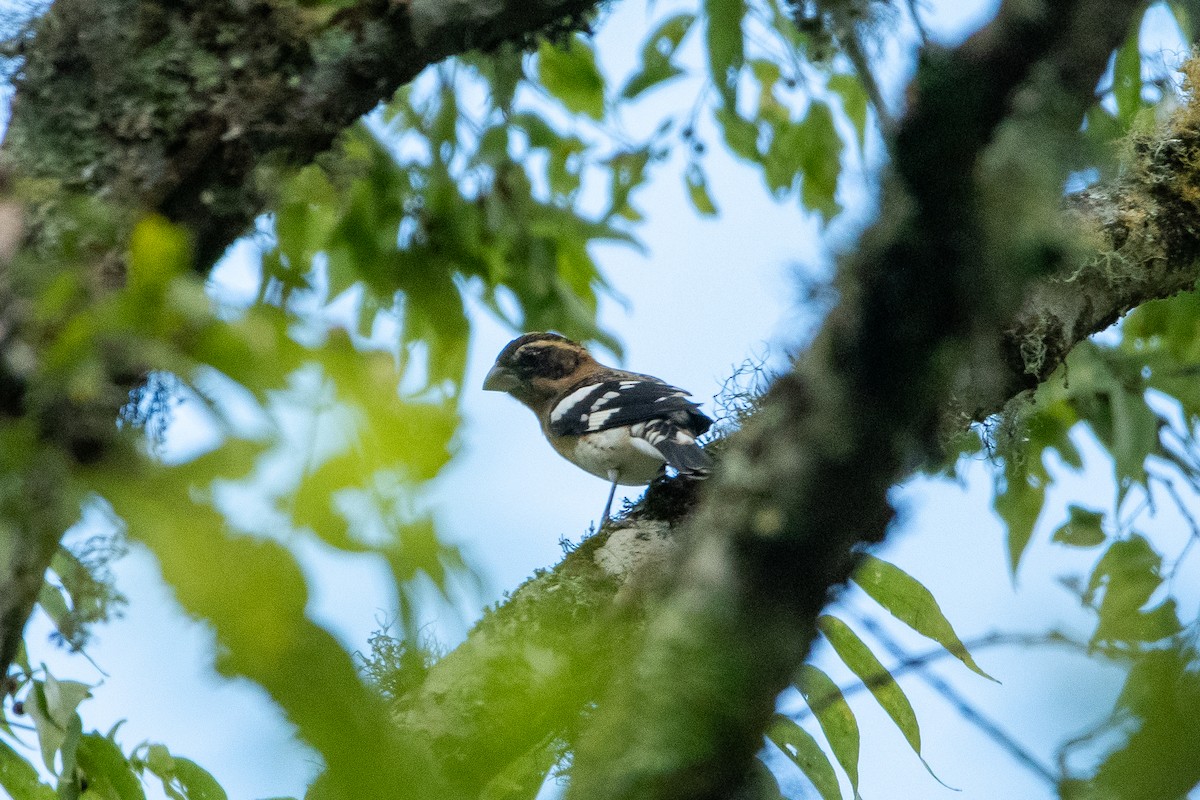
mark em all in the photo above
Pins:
pixel 862 662
pixel 106 770
pixel 908 601
pixel 20 779
pixel 570 74
pixel 835 717
pixel 52 705
pixel 182 778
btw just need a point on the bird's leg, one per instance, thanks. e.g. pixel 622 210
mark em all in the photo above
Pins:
pixel 612 476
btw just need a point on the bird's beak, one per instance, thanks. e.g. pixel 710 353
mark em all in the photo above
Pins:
pixel 500 380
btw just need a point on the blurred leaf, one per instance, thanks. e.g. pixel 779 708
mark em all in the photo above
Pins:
pixel 799 745
pixel 854 102
pixel 862 662
pixel 657 52
pixel 1127 77
pixel 51 704
pixel 628 171
pixel 835 717
pixel 264 634
pixel 821 161
pixel 197 782
pixel 908 601
pixel 761 783
pixel 740 134
pixel 1183 13
pixel 1020 503
pixel 20 779
pixel 1135 437
pixel 158 251
pixel 106 770
pixel 697 186
pixel 1128 574
pixel 726 47
pixel 182 778
pixel 1156 757
pixel 570 74
pixel 1082 528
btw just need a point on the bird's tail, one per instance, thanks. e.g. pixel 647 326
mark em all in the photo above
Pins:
pixel 678 447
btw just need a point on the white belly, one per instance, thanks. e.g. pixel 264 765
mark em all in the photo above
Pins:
pixel 635 460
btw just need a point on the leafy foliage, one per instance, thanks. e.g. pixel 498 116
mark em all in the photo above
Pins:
pixel 489 182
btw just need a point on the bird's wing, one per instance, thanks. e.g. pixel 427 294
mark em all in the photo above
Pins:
pixel 599 405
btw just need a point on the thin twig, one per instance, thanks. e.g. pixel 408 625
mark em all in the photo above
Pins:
pixel 919 662
pixel 964 707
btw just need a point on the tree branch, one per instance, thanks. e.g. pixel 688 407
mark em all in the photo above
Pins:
pixel 1139 243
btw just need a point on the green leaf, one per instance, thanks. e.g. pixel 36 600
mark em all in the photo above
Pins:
pixel 835 717
pixel 1134 437
pixel 1019 504
pixel 862 662
pixel 1082 528
pixel 158 251
pixel 1128 574
pixel 1156 757
pixel 52 705
pixel 657 52
pixel 726 46
pixel 697 186
pixel 799 745
pixel 197 782
pixel 740 134
pixel 570 74
pixel 1182 11
pixel 19 778
pixel 1127 78
pixel 908 601
pixel 182 778
pixel 266 635
pixel 108 773
pixel 854 102
pixel 821 160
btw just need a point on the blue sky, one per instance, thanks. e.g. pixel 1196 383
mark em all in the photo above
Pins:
pixel 705 295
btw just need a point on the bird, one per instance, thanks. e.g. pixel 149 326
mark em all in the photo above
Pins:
pixel 622 426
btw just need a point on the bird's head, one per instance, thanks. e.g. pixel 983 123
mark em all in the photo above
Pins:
pixel 536 367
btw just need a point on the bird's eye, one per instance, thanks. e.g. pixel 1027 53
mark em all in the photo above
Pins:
pixel 529 356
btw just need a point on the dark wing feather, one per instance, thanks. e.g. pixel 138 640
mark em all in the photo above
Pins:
pixel 611 403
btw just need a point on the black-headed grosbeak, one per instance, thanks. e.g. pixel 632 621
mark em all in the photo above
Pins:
pixel 618 425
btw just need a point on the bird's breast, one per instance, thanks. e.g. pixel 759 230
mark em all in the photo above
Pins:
pixel 635 460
